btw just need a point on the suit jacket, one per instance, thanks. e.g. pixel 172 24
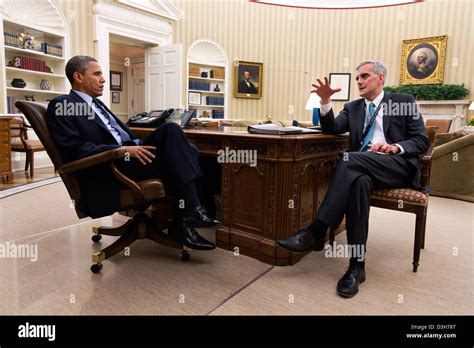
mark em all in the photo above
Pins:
pixel 78 133
pixel 243 88
pixel 402 124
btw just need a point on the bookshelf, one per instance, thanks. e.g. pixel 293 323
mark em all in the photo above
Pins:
pixel 207 80
pixel 40 65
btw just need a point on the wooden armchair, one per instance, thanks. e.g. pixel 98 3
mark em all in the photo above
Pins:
pixel 409 200
pixel 21 143
pixel 134 196
pixel 443 124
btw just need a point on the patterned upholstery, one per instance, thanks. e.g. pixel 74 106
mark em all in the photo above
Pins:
pixel 408 196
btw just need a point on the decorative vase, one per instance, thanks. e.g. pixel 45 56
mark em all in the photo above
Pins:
pixel 45 85
pixel 18 83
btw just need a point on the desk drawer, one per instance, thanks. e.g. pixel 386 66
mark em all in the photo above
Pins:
pixel 4 137
pixel 4 149
pixel 4 125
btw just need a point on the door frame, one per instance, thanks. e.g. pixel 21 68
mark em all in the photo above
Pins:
pixel 111 19
pixel 133 62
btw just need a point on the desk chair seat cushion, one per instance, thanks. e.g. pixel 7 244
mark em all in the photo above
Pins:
pixel 153 189
pixel 408 196
pixel 31 144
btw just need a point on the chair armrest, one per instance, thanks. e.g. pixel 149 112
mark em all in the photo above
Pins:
pixel 91 161
pixel 425 158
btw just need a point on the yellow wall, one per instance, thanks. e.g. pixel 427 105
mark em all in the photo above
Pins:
pixel 295 45
pixel 78 15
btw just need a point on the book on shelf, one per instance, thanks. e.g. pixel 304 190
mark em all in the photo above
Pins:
pixel 11 40
pixel 273 129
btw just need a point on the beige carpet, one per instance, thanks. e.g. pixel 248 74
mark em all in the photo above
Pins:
pixel 152 280
pixel 36 210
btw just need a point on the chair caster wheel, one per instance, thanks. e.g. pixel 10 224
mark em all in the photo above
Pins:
pixel 96 267
pixel 96 238
pixel 185 256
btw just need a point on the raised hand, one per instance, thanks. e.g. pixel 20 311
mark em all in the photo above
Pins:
pixel 324 90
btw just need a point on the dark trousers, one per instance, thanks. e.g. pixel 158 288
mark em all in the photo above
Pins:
pixel 350 188
pixel 176 161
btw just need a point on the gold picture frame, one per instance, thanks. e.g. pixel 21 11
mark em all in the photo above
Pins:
pixel 252 88
pixel 423 60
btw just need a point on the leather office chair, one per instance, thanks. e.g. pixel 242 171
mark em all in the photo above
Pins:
pixel 20 142
pixel 443 125
pixel 409 200
pixel 134 196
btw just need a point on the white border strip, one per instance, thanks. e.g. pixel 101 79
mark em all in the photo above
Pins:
pixel 14 190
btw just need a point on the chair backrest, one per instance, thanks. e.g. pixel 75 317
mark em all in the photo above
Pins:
pixel 426 159
pixel 36 115
pixel 442 124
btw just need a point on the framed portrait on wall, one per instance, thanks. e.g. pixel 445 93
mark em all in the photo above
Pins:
pixel 115 81
pixel 115 97
pixel 248 78
pixel 423 60
pixel 342 81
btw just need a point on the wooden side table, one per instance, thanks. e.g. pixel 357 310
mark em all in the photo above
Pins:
pixel 5 149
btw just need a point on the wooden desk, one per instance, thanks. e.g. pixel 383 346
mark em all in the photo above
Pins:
pixel 5 149
pixel 278 196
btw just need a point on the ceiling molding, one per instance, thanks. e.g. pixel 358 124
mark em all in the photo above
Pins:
pixel 336 4
pixel 43 15
pixel 163 8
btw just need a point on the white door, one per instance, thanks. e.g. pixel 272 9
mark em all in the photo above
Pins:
pixel 163 77
pixel 137 89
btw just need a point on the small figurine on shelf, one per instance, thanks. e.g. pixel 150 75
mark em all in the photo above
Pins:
pixel 217 89
pixel 15 63
pixel 18 83
pixel 204 74
pixel 26 41
pixel 45 85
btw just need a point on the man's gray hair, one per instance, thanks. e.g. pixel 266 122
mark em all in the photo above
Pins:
pixel 379 67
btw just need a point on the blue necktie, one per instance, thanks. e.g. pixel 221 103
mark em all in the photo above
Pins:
pixel 124 135
pixel 370 133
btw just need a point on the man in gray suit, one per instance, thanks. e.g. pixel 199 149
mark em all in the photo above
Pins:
pixel 386 135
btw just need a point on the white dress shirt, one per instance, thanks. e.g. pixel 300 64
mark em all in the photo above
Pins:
pixel 104 118
pixel 378 135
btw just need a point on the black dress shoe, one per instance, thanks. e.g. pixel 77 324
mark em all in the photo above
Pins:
pixel 198 218
pixel 348 285
pixel 193 240
pixel 304 240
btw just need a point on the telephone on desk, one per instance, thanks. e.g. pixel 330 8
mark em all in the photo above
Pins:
pixel 152 119
pixel 156 118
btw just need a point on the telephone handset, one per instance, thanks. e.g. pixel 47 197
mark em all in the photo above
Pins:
pixel 152 119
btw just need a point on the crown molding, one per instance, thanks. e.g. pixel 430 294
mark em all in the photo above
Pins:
pixel 163 8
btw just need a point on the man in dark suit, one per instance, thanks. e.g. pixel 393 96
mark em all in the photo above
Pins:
pixel 246 86
pixel 386 134
pixel 81 125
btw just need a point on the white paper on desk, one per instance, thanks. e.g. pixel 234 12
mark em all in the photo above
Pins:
pixel 272 126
